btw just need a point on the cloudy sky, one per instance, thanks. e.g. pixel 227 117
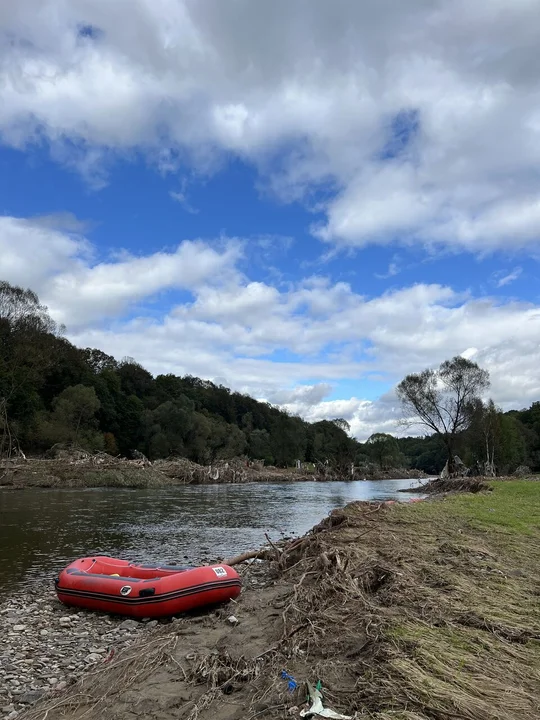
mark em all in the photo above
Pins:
pixel 302 200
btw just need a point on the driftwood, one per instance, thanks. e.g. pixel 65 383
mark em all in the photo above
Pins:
pixel 244 557
pixel 274 552
pixel 451 484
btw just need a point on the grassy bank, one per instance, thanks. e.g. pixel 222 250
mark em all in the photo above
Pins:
pixel 469 644
pixel 403 612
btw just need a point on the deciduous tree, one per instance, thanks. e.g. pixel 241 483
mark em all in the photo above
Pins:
pixel 75 409
pixel 383 448
pixel 441 399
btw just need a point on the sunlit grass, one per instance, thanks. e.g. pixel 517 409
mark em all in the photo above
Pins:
pixel 476 653
pixel 513 506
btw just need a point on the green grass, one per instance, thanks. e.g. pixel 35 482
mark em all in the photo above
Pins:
pixel 512 507
pixel 472 649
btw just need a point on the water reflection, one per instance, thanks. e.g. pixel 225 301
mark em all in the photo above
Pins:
pixel 42 530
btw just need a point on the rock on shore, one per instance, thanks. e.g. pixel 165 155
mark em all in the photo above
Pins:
pixel 46 646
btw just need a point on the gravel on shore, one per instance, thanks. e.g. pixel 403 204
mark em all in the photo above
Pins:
pixel 46 646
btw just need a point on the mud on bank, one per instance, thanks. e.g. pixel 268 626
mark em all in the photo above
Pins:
pixel 415 612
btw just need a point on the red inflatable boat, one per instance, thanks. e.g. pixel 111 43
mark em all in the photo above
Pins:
pixel 144 591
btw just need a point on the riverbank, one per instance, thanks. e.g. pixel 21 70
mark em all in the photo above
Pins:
pixel 105 471
pixel 442 486
pixel 403 612
pixel 46 647
pixel 82 470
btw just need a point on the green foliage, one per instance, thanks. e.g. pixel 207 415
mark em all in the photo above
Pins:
pixel 441 400
pixel 260 446
pixel 494 441
pixel 342 423
pixel 76 407
pixel 51 391
pixel 383 449
pixel 512 450
pixel 328 441
pixel 109 443
pixel 73 419
pixel 23 311
pixel 426 453
pixel 529 423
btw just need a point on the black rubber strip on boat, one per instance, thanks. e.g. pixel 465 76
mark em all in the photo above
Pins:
pixel 106 597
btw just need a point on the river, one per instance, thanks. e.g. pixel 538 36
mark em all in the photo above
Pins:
pixel 43 530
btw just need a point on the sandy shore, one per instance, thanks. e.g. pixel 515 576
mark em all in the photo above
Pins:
pixel 421 611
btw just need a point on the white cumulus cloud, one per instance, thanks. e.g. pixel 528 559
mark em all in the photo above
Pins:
pixel 292 345
pixel 422 117
pixel 231 327
pixel 79 289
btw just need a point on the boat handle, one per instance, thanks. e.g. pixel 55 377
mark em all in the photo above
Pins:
pixel 146 592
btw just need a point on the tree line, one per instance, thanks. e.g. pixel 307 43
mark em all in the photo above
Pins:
pixel 53 392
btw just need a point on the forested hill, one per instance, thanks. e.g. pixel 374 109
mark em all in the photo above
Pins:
pixel 51 391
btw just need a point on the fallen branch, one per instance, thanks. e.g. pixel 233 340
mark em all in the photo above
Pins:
pixel 264 554
pixel 244 557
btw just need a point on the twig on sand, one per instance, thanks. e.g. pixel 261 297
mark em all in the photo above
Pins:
pixel 268 709
pixel 277 550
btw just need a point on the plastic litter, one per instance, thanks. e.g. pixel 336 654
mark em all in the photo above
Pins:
pixel 292 682
pixel 317 708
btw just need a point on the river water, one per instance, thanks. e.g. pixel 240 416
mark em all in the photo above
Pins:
pixel 43 530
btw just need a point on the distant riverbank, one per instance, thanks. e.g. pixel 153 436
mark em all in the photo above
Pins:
pixel 92 471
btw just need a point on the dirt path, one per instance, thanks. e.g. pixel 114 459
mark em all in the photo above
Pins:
pixel 416 612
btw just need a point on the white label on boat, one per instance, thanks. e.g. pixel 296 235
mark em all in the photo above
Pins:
pixel 220 572
pixel 125 590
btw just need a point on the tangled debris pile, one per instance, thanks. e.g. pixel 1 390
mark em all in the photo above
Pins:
pixel 74 467
pixel 181 470
pixel 71 467
pixel 442 485
pixel 232 471
pixel 187 472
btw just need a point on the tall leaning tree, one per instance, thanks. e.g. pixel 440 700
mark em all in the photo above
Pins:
pixel 442 399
